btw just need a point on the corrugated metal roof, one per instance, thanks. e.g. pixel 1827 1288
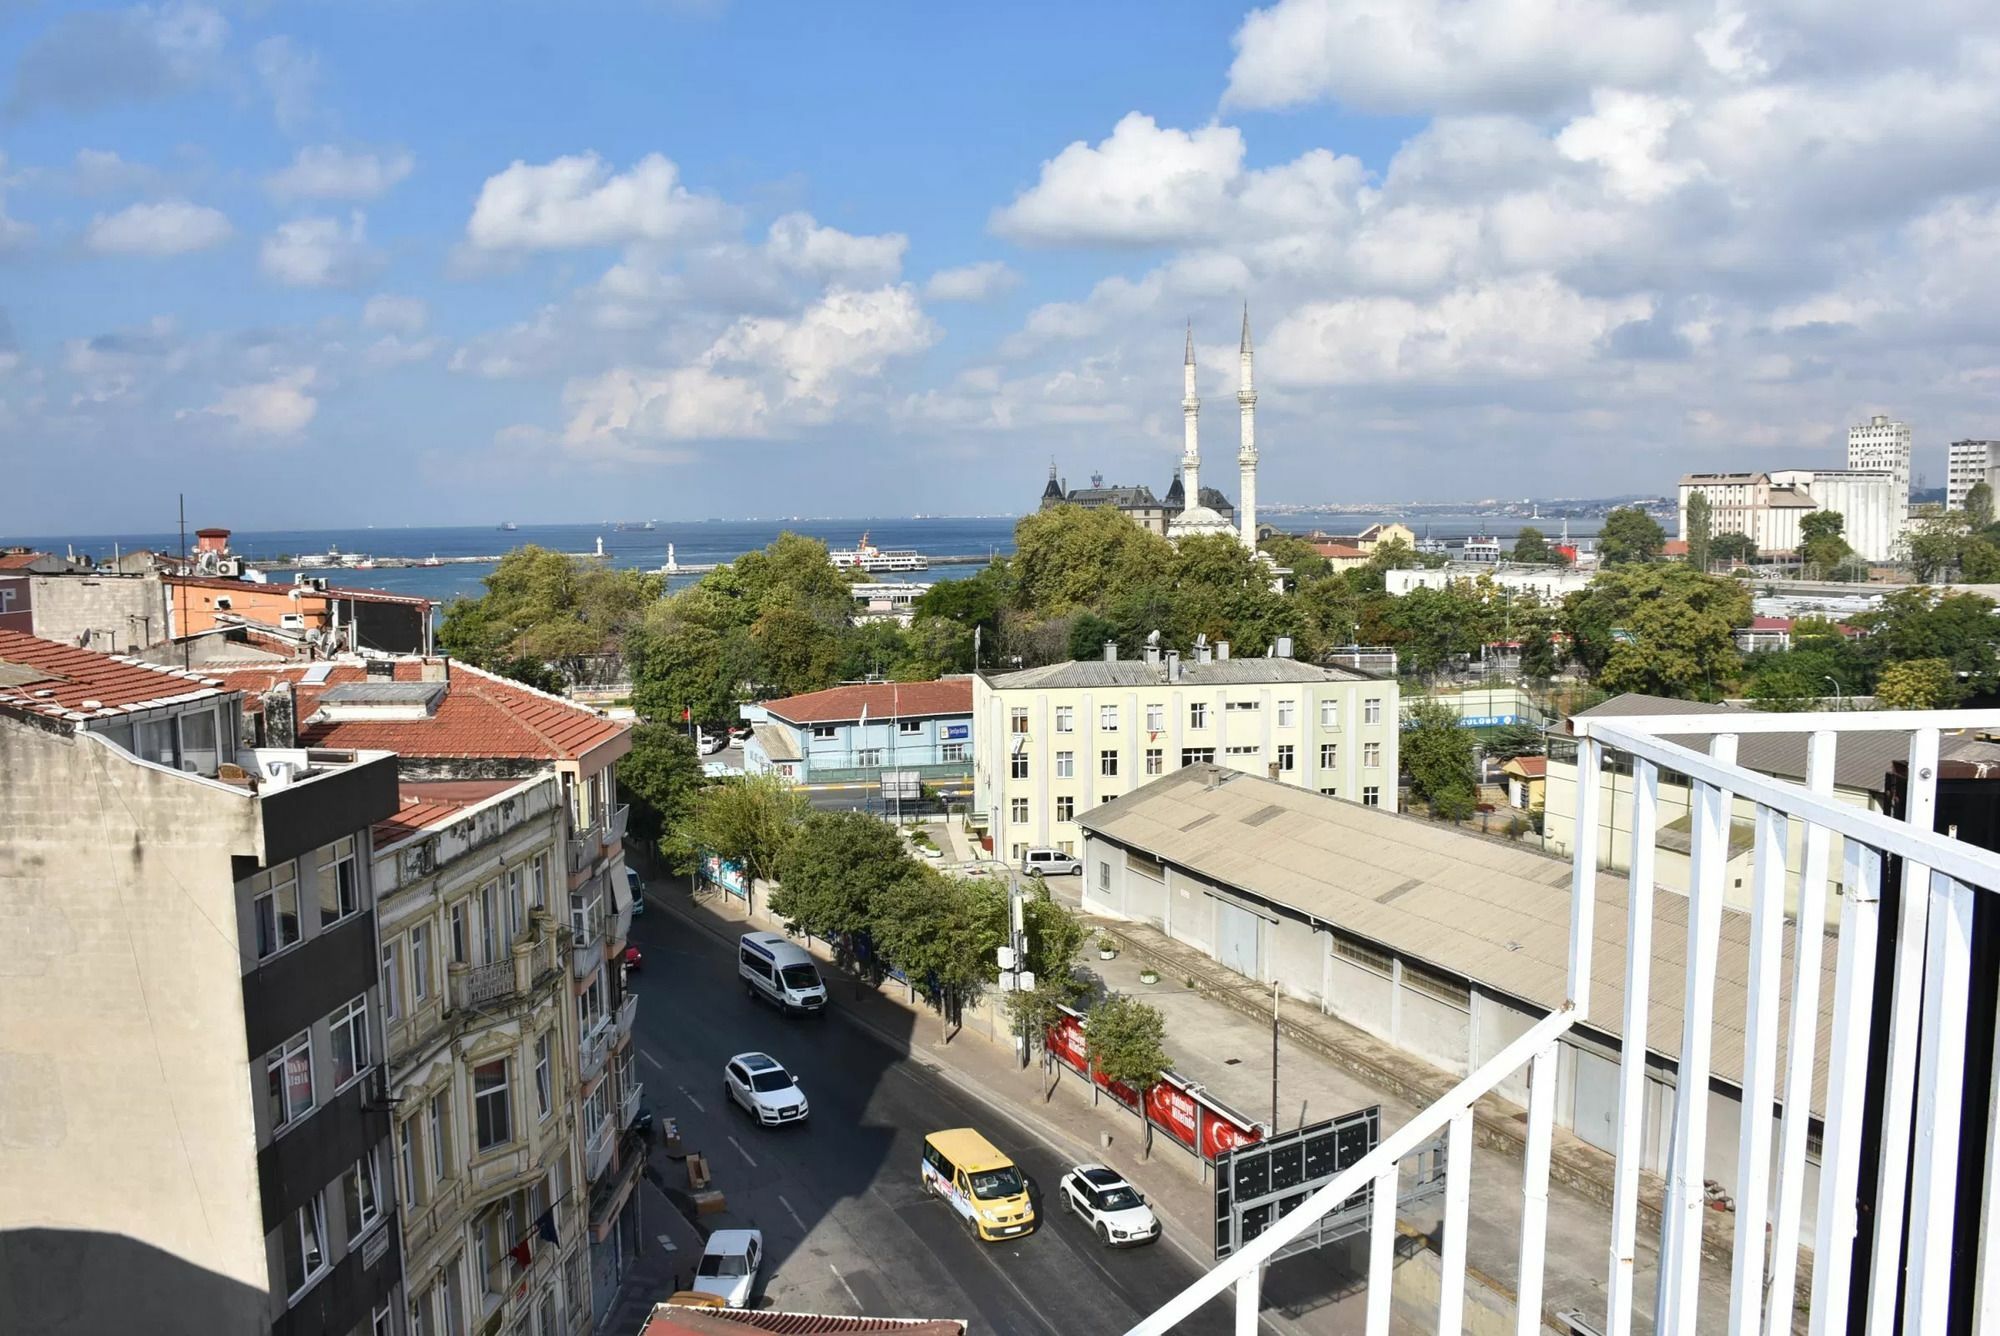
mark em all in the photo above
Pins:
pixel 1488 910
pixel 1139 673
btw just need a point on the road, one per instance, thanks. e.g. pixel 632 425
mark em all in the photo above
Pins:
pixel 847 1227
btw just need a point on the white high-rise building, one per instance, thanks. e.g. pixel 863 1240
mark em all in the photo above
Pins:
pixel 1971 463
pixel 1882 445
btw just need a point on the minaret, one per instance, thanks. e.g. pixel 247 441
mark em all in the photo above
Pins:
pixel 1246 457
pixel 1190 412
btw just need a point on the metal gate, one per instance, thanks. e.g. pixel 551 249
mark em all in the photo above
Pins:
pixel 1236 938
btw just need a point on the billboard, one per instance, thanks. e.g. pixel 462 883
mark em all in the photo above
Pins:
pixel 957 732
pixel 1176 1107
pixel 1257 1185
pixel 727 877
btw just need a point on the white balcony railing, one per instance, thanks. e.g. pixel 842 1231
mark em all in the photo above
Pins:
pixel 1907 1235
pixel 628 1010
pixel 614 829
pixel 594 1049
pixel 628 1107
pixel 597 1150
pixel 583 850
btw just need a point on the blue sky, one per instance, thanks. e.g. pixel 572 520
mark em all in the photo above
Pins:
pixel 408 262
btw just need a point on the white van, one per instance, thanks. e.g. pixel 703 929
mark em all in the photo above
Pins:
pixel 780 972
pixel 1050 863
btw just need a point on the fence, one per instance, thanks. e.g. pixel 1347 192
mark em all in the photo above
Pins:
pixel 1187 1114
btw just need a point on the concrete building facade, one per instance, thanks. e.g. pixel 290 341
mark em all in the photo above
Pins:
pixel 1882 445
pixel 1873 505
pixel 855 732
pixel 1756 505
pixel 1969 463
pixel 190 1034
pixel 1547 583
pixel 1056 742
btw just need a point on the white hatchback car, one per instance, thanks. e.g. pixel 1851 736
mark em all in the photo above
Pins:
pixel 1110 1205
pixel 728 1267
pixel 761 1085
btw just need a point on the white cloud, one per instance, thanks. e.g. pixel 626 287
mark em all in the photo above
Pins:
pixel 845 334
pixel 103 172
pixel 397 315
pixel 290 77
pixel 971 282
pixel 618 412
pixel 276 408
pixel 799 244
pixel 316 252
pixel 578 201
pixel 13 232
pixel 167 227
pixel 1142 185
pixel 396 350
pixel 92 59
pixel 327 171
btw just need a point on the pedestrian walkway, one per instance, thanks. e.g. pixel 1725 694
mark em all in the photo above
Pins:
pixel 654 1270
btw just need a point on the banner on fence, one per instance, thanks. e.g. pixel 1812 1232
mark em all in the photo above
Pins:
pixel 724 876
pixel 1176 1107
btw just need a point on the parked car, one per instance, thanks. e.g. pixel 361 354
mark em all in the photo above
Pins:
pixel 711 743
pixel 1110 1206
pixel 633 958
pixel 634 884
pixel 728 1267
pixel 739 732
pixel 761 1086
pixel 1051 863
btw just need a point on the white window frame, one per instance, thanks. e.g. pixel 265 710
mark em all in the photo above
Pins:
pixel 1197 714
pixel 1329 714
pixel 909 728
pixel 406 1162
pixel 545 1075
pixel 1066 808
pixel 1287 756
pixel 483 1100
pixel 1329 755
pixel 313 1212
pixel 538 880
pixel 867 756
pixel 351 1019
pixel 1017 720
pixel 1371 796
pixel 277 1061
pixel 440 1130
pixel 1107 718
pixel 824 732
pixel 1065 719
pixel 1156 760
pixel 361 1196
pixel 1156 718
pixel 459 932
pixel 1285 711
pixel 1371 755
pixel 392 981
pixel 420 963
pixel 492 924
pixel 1371 710
pixel 1065 765
pixel 953 751
pixel 341 874
pixel 1107 762
pixel 1017 812
pixel 279 884
pixel 1018 765
pixel 1242 749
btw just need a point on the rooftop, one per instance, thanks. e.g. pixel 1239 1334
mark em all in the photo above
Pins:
pixel 427 803
pixel 1483 909
pixel 304 591
pixel 58 681
pixel 1139 673
pixel 877 700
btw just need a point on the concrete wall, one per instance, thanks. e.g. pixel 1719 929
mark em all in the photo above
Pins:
pixel 113 614
pixel 124 1077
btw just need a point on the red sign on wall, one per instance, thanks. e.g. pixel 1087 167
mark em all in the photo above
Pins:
pixel 1175 1106
pixel 1173 1111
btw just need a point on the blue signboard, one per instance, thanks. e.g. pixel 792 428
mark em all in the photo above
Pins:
pixel 957 732
pixel 727 877
pixel 1489 720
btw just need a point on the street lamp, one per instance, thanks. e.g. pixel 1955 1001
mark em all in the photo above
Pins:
pixel 1836 691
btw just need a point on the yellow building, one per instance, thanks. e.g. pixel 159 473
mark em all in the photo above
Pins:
pixel 1056 741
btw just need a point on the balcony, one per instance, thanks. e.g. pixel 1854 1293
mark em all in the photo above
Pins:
pixel 583 851
pixel 594 1049
pixel 500 984
pixel 597 1150
pixel 586 946
pixel 628 1107
pixel 614 830
pixel 627 1011
pixel 1893 1261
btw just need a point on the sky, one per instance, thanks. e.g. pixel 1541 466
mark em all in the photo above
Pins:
pixel 404 262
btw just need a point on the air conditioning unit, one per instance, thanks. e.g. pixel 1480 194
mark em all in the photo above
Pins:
pixel 230 567
pixel 292 621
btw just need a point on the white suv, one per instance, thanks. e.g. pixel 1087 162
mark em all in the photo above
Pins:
pixel 760 1083
pixel 1112 1207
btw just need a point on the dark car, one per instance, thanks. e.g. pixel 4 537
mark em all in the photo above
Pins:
pixel 633 958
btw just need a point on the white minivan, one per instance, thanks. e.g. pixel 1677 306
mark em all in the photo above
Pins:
pixel 1050 863
pixel 780 972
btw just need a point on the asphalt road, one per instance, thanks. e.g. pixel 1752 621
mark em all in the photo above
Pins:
pixel 847 1227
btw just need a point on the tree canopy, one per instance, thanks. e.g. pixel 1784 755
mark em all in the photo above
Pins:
pixel 1438 757
pixel 1661 629
pixel 660 777
pixel 1700 529
pixel 748 820
pixel 547 610
pixel 1630 535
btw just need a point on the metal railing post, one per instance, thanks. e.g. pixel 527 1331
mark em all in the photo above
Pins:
pixel 1760 1070
pixel 1632 1063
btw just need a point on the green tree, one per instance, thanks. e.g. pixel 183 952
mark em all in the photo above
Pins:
pixel 1067 557
pixel 1055 934
pixel 1297 555
pixel 1979 559
pixel 1734 548
pixel 660 777
pixel 942 930
pixel 1087 635
pixel 1785 685
pixel 547 608
pixel 1510 740
pixel 833 869
pixel 1979 505
pixel 1932 544
pixel 748 820
pixel 1963 629
pixel 1126 1040
pixel 1665 630
pixel 1630 536
pixel 1917 684
pixel 1393 554
pixel 974 602
pixel 1438 757
pixel 1700 530
pixel 1822 544
pixel 1531 548
pixel 1431 627
pixel 1539 661
pixel 796 651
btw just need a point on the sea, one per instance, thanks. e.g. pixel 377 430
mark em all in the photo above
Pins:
pixel 700 542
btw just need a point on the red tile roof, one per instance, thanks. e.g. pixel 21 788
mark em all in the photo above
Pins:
pixel 1340 551
pixel 47 677
pixel 427 803
pixel 20 561
pixel 305 591
pixel 883 700
pixel 480 715
pixel 1531 767
pixel 1675 547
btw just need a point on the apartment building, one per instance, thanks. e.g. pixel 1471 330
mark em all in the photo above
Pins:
pixel 859 730
pixel 481 1041
pixel 191 1025
pixel 1882 445
pixel 1054 742
pixel 1756 505
pixel 1969 464
pixel 448 722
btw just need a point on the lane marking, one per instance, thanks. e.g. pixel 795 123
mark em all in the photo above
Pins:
pixel 789 1211
pixel 666 1243
pixel 698 1105
pixel 845 1286
pixel 740 1151
pixel 653 1061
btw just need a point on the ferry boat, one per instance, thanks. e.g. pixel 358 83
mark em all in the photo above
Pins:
pixel 864 556
pixel 508 526
pixel 646 526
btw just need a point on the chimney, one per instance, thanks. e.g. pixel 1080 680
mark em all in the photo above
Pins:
pixel 1222 651
pixel 1111 651
pixel 1152 656
pixel 281 727
pixel 1201 653
pixel 1173 665
pixel 1284 647
pixel 434 670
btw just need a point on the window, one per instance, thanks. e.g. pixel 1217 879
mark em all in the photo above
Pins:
pixel 1107 718
pixel 451 1321
pixel 1371 710
pixel 1371 796
pixel 538 880
pixel 1285 750
pixel 545 1313
pixel 544 1087
pixel 1249 750
pixel 1371 754
pixel 420 962
pixel 1155 761
pixel 1017 720
pixel 1240 706
pixel 350 1041
pixel 440 1134
pixel 1107 762
pixel 362 1192
pixel 289 1074
pixel 492 932
pixel 868 756
pixel 1330 791
pixel 1156 718
pixel 1198 714
pixel 1065 719
pixel 1285 713
pixel 1018 765
pixel 379 1323
pixel 406 1162
pixel 1018 811
pixel 458 933
pixel 823 732
pixel 392 982
pixel 305 1246
pixel 910 728
pixel 339 884
pixel 1329 755
pixel 1197 755
pixel 953 751
pixel 1103 875
pixel 513 903
pixel 1329 714
pixel 1065 809
pixel 1065 765
pixel 277 910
